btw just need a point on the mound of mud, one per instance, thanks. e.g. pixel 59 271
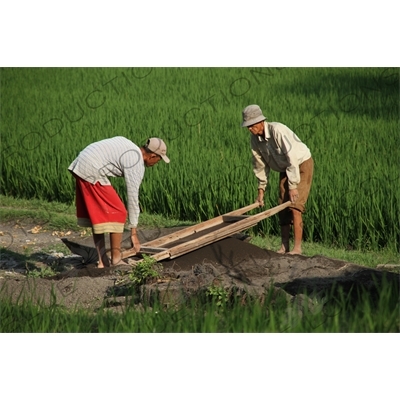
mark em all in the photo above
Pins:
pixel 231 263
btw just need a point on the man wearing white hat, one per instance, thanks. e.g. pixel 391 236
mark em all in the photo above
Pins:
pixel 97 203
pixel 274 146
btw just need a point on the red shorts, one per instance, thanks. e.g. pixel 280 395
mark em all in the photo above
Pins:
pixel 99 207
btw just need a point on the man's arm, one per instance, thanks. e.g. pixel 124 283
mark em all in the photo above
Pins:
pixel 135 240
pixel 133 179
pixel 261 171
pixel 287 141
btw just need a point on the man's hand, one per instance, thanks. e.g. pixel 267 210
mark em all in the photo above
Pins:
pixel 260 197
pixel 135 240
pixel 293 195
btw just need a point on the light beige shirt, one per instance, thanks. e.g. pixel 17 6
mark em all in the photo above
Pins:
pixel 278 149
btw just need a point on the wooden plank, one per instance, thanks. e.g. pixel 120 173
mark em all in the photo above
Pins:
pixel 223 232
pixel 148 249
pixel 162 241
pixel 234 218
pixel 185 232
pixel 219 234
pixel 143 250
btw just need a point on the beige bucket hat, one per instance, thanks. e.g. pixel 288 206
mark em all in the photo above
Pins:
pixel 251 115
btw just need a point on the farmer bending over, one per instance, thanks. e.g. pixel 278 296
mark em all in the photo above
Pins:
pixel 97 203
pixel 274 146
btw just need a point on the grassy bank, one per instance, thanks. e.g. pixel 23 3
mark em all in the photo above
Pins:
pixel 352 312
pixel 61 217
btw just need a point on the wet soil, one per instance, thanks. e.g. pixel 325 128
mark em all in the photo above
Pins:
pixel 29 254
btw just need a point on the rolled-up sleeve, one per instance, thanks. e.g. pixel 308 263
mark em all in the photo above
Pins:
pixel 260 169
pixel 288 143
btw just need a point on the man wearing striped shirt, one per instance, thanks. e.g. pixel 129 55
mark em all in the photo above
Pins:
pixel 274 146
pixel 97 203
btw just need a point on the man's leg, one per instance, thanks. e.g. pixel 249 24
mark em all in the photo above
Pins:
pixel 99 242
pixel 306 174
pixel 115 241
pixel 285 216
pixel 298 231
pixel 285 235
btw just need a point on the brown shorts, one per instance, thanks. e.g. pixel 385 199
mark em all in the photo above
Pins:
pixel 306 175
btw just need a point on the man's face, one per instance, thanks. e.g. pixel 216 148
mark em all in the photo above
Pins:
pixel 152 159
pixel 257 129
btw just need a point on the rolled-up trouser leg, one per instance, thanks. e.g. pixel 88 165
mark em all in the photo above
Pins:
pixel 306 175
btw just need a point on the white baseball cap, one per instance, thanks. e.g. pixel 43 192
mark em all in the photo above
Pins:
pixel 158 146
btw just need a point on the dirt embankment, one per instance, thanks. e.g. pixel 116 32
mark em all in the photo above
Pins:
pixel 232 264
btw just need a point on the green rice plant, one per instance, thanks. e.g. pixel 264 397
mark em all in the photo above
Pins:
pixel 347 116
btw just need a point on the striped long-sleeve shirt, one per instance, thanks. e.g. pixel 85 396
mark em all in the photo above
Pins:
pixel 278 149
pixel 114 157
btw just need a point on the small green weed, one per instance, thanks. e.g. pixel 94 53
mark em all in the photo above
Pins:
pixel 44 272
pixel 218 294
pixel 145 270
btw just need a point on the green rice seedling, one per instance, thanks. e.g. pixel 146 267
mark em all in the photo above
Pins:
pixel 347 116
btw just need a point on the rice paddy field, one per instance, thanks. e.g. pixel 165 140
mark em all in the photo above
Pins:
pixel 348 117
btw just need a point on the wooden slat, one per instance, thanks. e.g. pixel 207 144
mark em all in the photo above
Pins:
pixel 219 234
pixel 162 241
pixel 223 232
pixel 234 218
pixel 148 249
pixel 143 250
pixel 181 234
pixel 211 237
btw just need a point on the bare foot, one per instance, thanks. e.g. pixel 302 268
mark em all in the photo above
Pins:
pixel 120 262
pixel 293 252
pixel 103 264
pixel 284 249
